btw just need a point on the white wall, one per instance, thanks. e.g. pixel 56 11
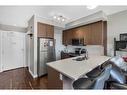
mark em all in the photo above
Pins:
pixel 32 48
pixel 116 24
pixel 58 45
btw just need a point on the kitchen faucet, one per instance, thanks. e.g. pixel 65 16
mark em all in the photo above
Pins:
pixel 85 54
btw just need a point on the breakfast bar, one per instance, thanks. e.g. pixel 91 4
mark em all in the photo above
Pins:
pixel 62 73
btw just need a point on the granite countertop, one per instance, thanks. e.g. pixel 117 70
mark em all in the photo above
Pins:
pixel 75 69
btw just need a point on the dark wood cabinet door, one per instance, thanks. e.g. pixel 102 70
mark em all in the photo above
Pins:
pixel 45 30
pixel 41 29
pixel 49 31
pixel 74 33
pixel 79 33
pixel 70 36
pixel 64 37
pixel 97 33
pixel 87 35
pixel 67 37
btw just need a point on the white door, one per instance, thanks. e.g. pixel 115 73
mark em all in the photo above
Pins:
pixel 0 51
pixel 13 50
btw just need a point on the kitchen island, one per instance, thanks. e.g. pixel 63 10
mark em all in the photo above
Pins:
pixel 62 73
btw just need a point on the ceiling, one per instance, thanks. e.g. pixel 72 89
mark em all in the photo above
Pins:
pixel 19 15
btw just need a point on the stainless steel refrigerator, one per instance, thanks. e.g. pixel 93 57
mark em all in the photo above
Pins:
pixel 46 53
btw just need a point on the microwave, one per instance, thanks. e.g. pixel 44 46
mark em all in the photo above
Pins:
pixel 78 42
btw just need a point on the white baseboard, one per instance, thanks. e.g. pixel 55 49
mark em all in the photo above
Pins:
pixel 33 75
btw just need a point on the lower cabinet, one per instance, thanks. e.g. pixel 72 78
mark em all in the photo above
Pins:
pixel 54 81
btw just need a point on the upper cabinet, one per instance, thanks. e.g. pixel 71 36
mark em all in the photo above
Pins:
pixel 49 31
pixel 41 29
pixel 64 38
pixel 91 33
pixel 97 33
pixel 45 30
pixel 67 36
pixel 75 33
pixel 78 33
pixel 87 34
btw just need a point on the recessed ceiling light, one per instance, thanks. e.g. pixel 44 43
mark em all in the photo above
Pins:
pixel 58 18
pixel 63 19
pixel 91 6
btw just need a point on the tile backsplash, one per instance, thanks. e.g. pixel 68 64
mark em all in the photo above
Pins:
pixel 92 49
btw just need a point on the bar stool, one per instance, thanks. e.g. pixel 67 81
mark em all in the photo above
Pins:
pixel 97 71
pixel 95 83
pixel 83 83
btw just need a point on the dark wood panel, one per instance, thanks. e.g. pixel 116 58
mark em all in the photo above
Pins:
pixel 96 33
pixel 49 31
pixel 87 34
pixel 92 34
pixel 45 30
pixel 79 33
pixel 41 29
pixel 54 81
pixel 64 38
pixel 68 37
pixel 105 37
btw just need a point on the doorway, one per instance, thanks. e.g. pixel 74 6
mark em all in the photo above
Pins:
pixel 13 50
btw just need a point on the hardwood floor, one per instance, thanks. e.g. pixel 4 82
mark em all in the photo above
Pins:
pixel 21 79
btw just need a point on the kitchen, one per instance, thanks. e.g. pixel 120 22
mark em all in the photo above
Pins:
pixel 85 33
pixel 58 52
